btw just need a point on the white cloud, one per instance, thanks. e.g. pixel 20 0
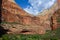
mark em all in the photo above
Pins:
pixel 38 5
pixel 49 4
pixel 31 10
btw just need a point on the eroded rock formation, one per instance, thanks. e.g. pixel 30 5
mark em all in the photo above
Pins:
pixel 11 12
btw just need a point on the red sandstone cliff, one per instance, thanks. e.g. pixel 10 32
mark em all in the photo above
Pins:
pixel 11 12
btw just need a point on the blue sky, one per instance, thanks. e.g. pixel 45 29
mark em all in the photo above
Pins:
pixel 35 6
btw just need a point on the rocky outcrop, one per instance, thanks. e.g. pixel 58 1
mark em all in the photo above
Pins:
pixel 55 19
pixel 11 12
pixel 58 3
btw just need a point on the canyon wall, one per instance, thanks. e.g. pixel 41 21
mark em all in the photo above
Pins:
pixel 12 13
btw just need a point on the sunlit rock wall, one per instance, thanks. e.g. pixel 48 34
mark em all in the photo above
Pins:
pixel 11 12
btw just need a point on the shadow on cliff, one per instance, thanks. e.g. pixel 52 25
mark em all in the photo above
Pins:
pixel 2 30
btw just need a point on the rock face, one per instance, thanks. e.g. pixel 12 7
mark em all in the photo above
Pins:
pixel 58 2
pixel 27 23
pixel 56 18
